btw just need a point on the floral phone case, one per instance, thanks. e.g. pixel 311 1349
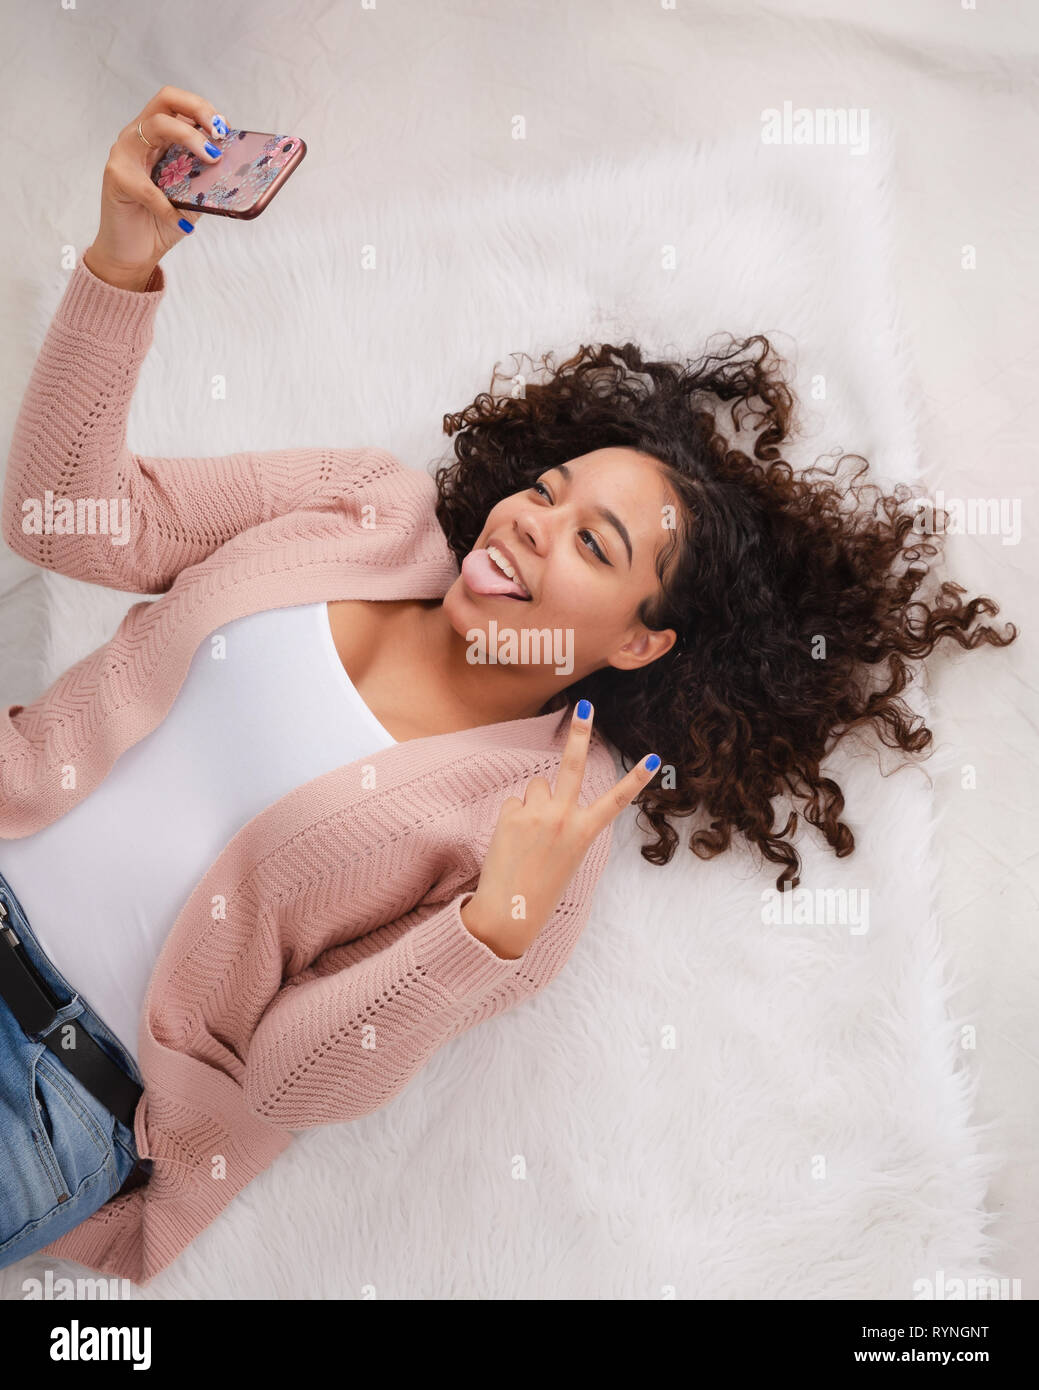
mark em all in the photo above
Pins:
pixel 254 167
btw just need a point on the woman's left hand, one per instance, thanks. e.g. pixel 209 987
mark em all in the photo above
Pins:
pixel 538 845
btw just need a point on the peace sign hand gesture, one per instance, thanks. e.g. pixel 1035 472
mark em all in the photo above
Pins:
pixel 539 843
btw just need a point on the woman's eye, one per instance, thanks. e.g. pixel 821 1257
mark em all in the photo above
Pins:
pixel 594 547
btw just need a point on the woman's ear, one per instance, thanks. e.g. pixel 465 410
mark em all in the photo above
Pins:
pixel 646 646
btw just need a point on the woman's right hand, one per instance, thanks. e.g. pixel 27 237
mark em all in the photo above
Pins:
pixel 138 223
pixel 539 843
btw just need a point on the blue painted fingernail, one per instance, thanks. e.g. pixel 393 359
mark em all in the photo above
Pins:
pixel 220 125
pixel 185 225
pixel 652 763
pixel 212 150
pixel 584 709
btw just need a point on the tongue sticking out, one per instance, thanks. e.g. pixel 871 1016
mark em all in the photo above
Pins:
pixel 484 577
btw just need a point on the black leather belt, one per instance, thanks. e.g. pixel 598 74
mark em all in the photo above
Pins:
pixel 33 1005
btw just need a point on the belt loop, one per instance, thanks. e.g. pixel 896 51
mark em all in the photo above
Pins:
pixel 65 1014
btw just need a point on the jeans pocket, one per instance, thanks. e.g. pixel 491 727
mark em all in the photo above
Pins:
pixel 67 1130
pixel 58 1157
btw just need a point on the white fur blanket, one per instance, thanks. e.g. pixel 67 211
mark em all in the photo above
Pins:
pixel 702 1105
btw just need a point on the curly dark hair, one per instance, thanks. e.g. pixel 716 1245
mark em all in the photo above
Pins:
pixel 781 593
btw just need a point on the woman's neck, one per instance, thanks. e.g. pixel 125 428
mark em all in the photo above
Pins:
pixel 481 692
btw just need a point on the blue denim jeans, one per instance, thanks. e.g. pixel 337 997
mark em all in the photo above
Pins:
pixel 63 1153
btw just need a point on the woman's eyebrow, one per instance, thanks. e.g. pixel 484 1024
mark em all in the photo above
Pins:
pixel 610 517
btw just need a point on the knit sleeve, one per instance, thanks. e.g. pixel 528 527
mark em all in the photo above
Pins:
pixel 78 501
pixel 341 1045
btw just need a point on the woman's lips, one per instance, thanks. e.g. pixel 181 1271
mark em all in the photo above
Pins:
pixel 501 546
pixel 482 576
pixel 513 598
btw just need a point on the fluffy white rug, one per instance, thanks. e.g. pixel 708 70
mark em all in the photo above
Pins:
pixel 703 1105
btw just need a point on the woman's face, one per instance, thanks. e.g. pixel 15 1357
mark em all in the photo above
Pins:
pixel 584 539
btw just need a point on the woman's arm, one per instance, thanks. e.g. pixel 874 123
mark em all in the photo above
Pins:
pixel 75 498
pixel 342 1044
pixel 138 521
pixel 344 1038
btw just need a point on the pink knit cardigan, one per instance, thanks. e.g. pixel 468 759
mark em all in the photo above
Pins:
pixel 321 960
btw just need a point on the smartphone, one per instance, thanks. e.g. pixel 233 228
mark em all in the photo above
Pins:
pixel 255 166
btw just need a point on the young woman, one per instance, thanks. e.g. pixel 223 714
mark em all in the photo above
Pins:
pixel 706 602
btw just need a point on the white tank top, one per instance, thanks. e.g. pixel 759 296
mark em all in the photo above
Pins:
pixel 258 715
